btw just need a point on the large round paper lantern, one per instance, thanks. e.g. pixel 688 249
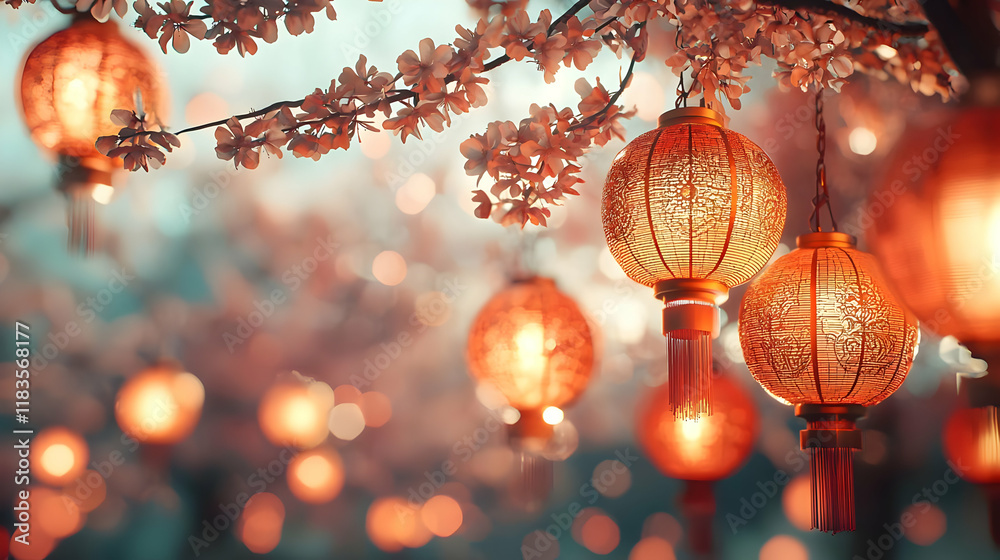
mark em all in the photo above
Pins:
pixel 820 330
pixel 532 343
pixel 935 227
pixel 692 209
pixel 70 84
pixel 161 404
pixel 699 451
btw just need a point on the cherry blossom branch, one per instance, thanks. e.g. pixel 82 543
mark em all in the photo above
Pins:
pixel 834 9
pixel 614 97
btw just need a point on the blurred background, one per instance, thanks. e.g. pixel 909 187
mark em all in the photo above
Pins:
pixel 381 267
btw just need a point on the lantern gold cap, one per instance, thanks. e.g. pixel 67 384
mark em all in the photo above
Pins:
pixel 821 239
pixel 692 115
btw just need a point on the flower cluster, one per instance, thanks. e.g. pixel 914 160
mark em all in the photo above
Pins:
pixel 139 144
pixel 534 163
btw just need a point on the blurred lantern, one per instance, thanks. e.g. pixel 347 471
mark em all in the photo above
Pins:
pixel 58 456
pixel 692 209
pixel 935 226
pixel 819 331
pixel 316 476
pixel 972 441
pixel 71 83
pixel 699 451
pixel 532 343
pixel 160 405
pixel 296 413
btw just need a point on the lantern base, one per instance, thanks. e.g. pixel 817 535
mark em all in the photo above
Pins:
pixel 533 481
pixel 690 321
pixel 831 435
pixel 698 504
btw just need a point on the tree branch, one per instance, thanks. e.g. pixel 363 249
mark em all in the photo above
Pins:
pixel 612 100
pixel 831 8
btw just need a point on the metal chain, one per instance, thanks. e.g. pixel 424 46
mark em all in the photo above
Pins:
pixel 822 197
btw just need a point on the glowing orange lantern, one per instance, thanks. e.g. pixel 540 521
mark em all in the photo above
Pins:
pixel 533 344
pixel 58 456
pixel 70 84
pixel 819 331
pixel 972 441
pixel 700 451
pixel 692 209
pixel 160 405
pixel 295 413
pixel 936 228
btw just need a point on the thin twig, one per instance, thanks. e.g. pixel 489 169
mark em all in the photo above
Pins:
pixel 61 10
pixel 612 100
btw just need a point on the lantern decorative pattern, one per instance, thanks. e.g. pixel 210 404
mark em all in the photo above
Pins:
pixel 819 330
pixel 70 84
pixel 692 209
pixel 534 345
pixel 700 451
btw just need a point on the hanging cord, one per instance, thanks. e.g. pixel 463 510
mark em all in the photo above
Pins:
pixel 822 197
pixel 682 92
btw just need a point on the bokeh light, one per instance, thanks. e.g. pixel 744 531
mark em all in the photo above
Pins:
pixel 611 478
pixel 599 533
pixel 415 194
pixel 347 421
pixel 58 455
pixel 261 522
pixel 923 523
pixel 389 268
pixel 52 515
pixel 552 415
pixel 796 501
pixel 784 547
pixel 160 405
pixel 376 408
pixel 664 526
pixel 862 141
pixel 652 548
pixel 39 546
pixel 87 491
pixel 442 515
pixel 392 524
pixel 289 414
pixel 316 476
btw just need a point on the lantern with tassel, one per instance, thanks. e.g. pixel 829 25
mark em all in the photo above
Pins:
pixel 70 84
pixel 692 209
pixel 533 344
pixel 820 331
pixel 701 451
